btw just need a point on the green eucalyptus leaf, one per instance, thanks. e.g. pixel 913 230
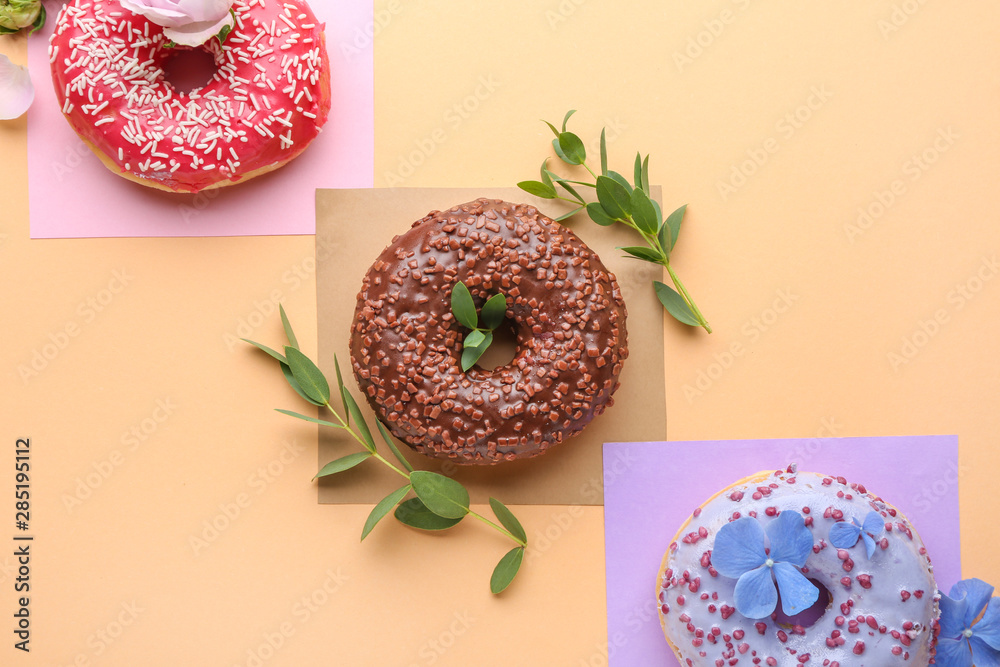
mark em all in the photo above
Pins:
pixel 643 253
pixel 314 420
pixel 463 307
pixel 566 118
pixel 663 236
pixel 294 384
pixel 566 216
pixel 493 312
pixel 308 375
pixel 441 495
pixel 645 176
pixel 643 212
pixel 621 180
pixel 508 520
pixel 576 195
pixel 675 304
pixel 637 171
pixel 415 514
pixel 604 152
pixel 559 151
pixel 343 463
pixel 392 447
pixel 506 570
pixel 614 198
pixel 674 224
pixel 659 213
pixel 288 328
pixel 539 189
pixel 265 348
pixel 597 214
pixel 382 508
pixel 546 174
pixel 359 421
pixel 552 127
pixel 340 387
pixel 470 354
pixel 572 148
pixel 556 177
pixel 474 339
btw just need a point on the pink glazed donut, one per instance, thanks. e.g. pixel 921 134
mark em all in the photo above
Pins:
pixel 874 612
pixel 266 102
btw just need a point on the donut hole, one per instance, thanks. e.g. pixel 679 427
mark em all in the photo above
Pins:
pixel 502 350
pixel 188 69
pixel 808 617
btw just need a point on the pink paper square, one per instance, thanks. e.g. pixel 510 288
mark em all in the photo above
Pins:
pixel 72 195
pixel 650 488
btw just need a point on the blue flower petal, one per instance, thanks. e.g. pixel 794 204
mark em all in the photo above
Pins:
pixel 797 592
pixel 738 548
pixel 755 594
pixel 988 629
pixel 869 544
pixel 952 616
pixel 977 592
pixel 983 655
pixel 791 541
pixel 874 524
pixel 844 535
pixel 953 653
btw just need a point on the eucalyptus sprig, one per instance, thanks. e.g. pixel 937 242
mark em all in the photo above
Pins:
pixel 623 202
pixel 478 340
pixel 438 502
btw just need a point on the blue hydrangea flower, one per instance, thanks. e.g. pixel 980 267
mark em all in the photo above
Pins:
pixel 963 642
pixel 845 535
pixel 740 553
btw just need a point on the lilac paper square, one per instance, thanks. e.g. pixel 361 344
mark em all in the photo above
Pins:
pixel 652 487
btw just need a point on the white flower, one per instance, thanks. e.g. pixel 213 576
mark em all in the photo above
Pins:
pixel 16 91
pixel 187 22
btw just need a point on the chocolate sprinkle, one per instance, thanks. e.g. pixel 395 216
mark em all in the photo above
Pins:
pixel 566 309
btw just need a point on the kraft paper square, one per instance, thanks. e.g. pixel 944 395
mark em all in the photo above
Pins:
pixel 352 228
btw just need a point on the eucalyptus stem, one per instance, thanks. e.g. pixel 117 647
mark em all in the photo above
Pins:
pixel 361 442
pixel 687 297
pixel 406 476
pixel 624 202
pixel 477 515
pixel 440 502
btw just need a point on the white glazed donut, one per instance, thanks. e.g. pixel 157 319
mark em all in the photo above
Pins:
pixel 880 611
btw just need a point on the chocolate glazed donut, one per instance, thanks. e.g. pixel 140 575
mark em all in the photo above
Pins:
pixel 565 307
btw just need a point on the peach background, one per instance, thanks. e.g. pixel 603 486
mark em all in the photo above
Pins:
pixel 819 366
